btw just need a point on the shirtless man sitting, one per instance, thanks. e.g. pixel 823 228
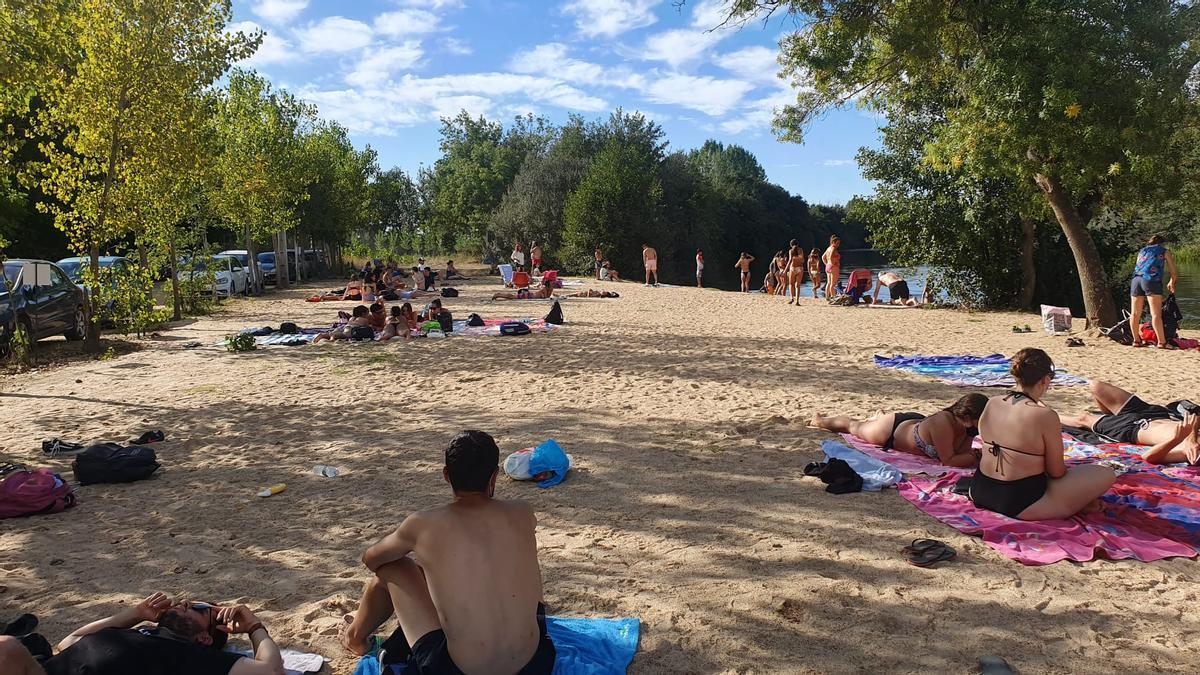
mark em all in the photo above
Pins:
pixel 188 640
pixel 898 293
pixel 1170 433
pixel 463 579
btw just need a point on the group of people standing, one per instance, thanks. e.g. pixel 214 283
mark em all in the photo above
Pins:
pixel 789 268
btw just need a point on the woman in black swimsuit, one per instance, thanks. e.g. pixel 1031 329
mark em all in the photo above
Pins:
pixel 1022 473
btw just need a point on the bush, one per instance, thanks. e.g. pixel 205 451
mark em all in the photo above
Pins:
pixel 242 342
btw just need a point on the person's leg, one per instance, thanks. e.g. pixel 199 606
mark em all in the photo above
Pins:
pixel 875 430
pixel 1075 492
pixel 1084 420
pixel 1109 397
pixel 1136 304
pixel 15 659
pixel 1156 318
pixel 409 592
pixel 374 608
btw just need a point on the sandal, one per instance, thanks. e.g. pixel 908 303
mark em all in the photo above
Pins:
pixel 1138 343
pixel 1166 345
pixel 1074 342
pixel 57 446
pixel 932 556
pixel 921 545
pixel 149 437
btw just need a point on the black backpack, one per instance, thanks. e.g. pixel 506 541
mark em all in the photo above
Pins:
pixel 514 328
pixel 112 463
pixel 474 320
pixel 1171 317
pixel 362 333
pixel 555 316
pixel 447 320
pixel 448 292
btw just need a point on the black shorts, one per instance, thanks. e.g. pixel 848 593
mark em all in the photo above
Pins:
pixel 1135 415
pixel 899 290
pixel 431 656
pixel 1007 497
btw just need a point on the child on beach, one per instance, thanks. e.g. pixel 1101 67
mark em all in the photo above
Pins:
pixel 814 270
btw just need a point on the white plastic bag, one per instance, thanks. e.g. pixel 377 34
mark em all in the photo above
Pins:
pixel 1056 319
pixel 516 465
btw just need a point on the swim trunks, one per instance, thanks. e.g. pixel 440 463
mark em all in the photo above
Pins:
pixel 1135 415
pixel 430 655
pixel 524 294
pixel 899 290
pixel 652 265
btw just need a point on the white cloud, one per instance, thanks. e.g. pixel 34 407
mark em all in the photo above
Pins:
pixel 551 59
pixel 273 49
pixel 455 46
pixel 406 22
pixel 751 63
pixel 679 46
pixel 708 14
pixel 378 65
pixel 279 12
pixel 334 34
pixel 610 18
pixel 430 4
pixel 758 115
pixel 708 95
pixel 838 162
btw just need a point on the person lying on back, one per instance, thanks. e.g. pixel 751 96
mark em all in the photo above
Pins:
pixel 358 318
pixel 463 579
pixel 1170 430
pixel 546 290
pixel 188 639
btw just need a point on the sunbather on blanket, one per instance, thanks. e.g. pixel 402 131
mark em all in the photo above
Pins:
pixel 463 579
pixel 1170 432
pixel 1022 473
pixel 376 316
pixel 187 640
pixel 358 318
pixel 401 323
pixel 546 290
pixel 593 293
pixel 945 436
pixel 354 289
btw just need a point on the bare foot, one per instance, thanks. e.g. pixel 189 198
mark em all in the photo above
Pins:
pixel 817 422
pixel 355 648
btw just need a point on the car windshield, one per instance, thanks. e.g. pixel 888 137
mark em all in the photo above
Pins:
pixel 11 271
pixel 198 265
pixel 266 258
pixel 73 268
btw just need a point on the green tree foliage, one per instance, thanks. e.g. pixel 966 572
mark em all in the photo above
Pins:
pixel 1077 98
pixel 339 190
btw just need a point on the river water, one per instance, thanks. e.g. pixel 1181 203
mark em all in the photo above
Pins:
pixel 1187 291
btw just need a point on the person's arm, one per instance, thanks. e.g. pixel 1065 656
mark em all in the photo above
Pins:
pixel 1172 272
pixel 1051 427
pixel 146 610
pixel 878 285
pixel 392 547
pixel 942 434
pixel 1157 454
pixel 267 659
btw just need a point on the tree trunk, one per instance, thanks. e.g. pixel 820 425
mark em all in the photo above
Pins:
pixel 252 261
pixel 281 266
pixel 1028 271
pixel 1097 302
pixel 175 299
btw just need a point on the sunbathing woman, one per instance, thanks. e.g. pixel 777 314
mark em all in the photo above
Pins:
pixel 945 435
pixel 814 270
pixel 795 271
pixel 353 289
pixel 400 324
pixel 593 293
pixel 545 291
pixel 359 318
pixel 1022 473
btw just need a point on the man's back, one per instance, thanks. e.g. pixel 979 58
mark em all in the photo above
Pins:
pixel 649 254
pixel 480 562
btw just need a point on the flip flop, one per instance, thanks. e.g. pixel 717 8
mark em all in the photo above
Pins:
pixel 921 545
pixel 932 556
pixel 149 437
pixel 994 665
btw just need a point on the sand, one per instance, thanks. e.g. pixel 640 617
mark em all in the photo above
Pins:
pixel 685 410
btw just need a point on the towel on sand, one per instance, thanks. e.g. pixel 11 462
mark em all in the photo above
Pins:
pixel 583 646
pixel 1151 512
pixel 875 474
pixel 906 462
pixel 966 370
pixel 294 662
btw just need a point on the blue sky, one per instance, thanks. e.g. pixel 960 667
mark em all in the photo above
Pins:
pixel 388 69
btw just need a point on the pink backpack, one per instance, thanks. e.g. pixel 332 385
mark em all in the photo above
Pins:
pixel 30 492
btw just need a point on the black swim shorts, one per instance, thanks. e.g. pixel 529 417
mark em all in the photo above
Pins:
pixel 431 656
pixel 1135 415
pixel 899 290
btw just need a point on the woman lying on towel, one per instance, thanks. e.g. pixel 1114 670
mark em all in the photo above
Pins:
pixel 1022 473
pixel 360 317
pixel 545 291
pixel 945 436
pixel 593 293
pixel 401 323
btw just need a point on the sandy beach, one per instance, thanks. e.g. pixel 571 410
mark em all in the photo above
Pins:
pixel 685 411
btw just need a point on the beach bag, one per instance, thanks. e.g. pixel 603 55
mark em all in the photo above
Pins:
pixel 362 333
pixel 446 321
pixel 448 292
pixel 427 326
pixel 27 492
pixel 288 328
pixel 112 463
pixel 1056 319
pixel 514 328
pixel 475 320
pixel 555 315
pixel 1119 333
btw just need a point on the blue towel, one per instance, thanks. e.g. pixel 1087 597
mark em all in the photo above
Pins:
pixel 875 474
pixel 967 371
pixel 549 457
pixel 584 646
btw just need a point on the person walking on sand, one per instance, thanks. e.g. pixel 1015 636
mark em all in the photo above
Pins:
pixel 795 271
pixel 833 265
pixel 699 268
pixel 599 262
pixel 650 261
pixel 743 264
pixel 814 270
pixel 1152 262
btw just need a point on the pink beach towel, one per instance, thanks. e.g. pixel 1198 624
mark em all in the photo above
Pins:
pixel 907 462
pixel 1150 513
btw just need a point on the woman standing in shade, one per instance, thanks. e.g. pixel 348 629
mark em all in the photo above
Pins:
pixel 1152 262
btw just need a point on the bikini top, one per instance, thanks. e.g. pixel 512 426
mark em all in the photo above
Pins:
pixel 994 448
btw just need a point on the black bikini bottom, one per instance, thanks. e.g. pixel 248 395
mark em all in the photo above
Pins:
pixel 1009 497
pixel 901 418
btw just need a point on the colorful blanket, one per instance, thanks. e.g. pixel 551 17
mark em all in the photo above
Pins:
pixel 1150 513
pixel 906 462
pixel 966 370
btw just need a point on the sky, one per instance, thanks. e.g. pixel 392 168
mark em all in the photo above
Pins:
pixel 387 70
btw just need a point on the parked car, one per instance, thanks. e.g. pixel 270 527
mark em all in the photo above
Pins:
pixel 229 278
pixel 111 267
pixel 39 296
pixel 266 264
pixel 243 258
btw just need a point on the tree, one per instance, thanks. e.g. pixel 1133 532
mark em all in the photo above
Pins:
pixel 532 208
pixel 339 188
pixel 126 113
pixel 1075 97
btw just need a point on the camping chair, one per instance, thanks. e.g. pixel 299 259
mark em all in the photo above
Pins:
pixel 859 283
pixel 506 274
pixel 551 275
pixel 520 279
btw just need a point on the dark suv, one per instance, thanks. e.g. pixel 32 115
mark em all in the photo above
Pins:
pixel 43 300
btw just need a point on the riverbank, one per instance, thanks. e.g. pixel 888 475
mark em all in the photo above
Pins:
pixel 685 410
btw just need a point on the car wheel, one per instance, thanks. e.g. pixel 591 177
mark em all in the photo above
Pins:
pixel 78 326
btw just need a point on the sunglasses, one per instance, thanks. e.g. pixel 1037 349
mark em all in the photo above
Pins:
pixel 212 612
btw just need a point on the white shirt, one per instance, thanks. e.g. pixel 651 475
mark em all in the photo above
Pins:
pixel 518 257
